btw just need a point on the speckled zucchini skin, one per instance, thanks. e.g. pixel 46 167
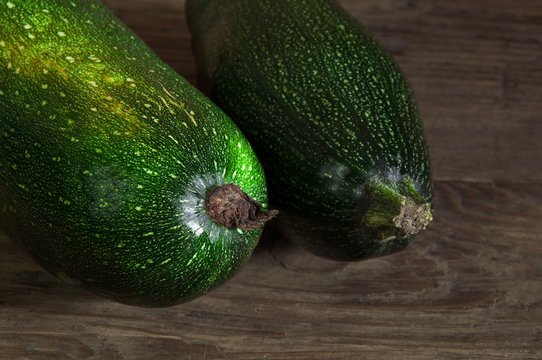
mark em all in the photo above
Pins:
pixel 106 156
pixel 325 107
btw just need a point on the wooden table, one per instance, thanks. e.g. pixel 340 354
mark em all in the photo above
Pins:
pixel 469 287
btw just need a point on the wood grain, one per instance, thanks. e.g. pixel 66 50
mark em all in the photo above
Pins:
pixel 470 287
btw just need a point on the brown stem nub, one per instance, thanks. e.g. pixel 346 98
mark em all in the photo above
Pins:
pixel 231 207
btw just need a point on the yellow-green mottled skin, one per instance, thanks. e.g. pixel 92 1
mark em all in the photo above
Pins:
pixel 327 110
pixel 106 156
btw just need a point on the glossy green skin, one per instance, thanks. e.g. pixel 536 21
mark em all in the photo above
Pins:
pixel 106 155
pixel 325 107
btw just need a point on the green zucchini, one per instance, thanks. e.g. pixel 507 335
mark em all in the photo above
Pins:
pixel 115 173
pixel 330 115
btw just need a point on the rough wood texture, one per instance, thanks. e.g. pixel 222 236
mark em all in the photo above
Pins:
pixel 470 287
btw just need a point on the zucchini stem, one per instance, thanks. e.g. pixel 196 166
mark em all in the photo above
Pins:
pixel 231 207
pixel 396 210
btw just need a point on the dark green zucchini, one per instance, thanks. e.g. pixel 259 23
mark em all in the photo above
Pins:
pixel 114 170
pixel 330 115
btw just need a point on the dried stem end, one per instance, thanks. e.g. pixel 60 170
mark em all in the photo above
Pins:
pixel 231 207
pixel 396 210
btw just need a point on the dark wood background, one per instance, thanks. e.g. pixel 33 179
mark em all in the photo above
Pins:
pixel 469 287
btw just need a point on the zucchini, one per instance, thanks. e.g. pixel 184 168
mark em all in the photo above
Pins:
pixel 115 173
pixel 330 115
